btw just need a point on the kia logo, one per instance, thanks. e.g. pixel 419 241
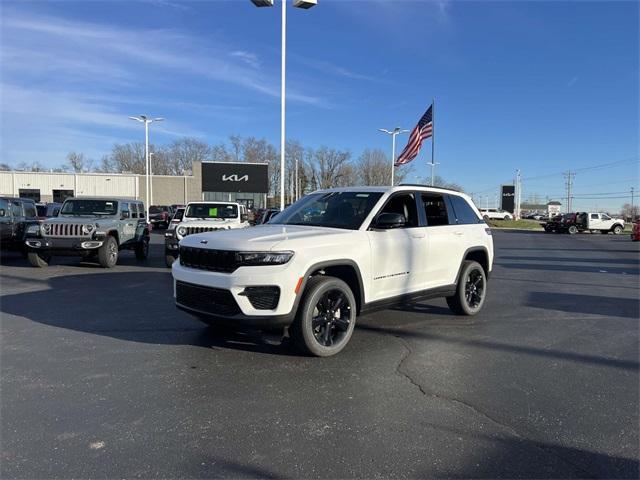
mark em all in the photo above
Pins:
pixel 235 178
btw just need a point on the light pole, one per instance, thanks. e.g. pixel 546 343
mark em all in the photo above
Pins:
pixel 146 120
pixel 394 133
pixel 283 67
pixel 151 154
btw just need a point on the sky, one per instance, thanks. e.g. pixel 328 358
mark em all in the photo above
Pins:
pixel 541 86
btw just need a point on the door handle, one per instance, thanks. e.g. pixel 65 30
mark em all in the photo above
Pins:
pixel 417 235
pixel 458 233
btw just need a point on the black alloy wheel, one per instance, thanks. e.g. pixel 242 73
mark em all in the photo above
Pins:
pixel 331 318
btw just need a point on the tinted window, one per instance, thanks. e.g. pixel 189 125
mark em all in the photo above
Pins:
pixel 30 210
pixel 4 205
pixel 435 209
pixel 464 213
pixel 16 209
pixel 179 214
pixel 332 209
pixel 42 210
pixel 404 204
pixel 594 215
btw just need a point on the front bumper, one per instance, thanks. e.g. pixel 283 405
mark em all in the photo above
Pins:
pixel 61 246
pixel 284 277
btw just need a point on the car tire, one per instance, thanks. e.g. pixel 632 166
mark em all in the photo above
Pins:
pixel 108 253
pixel 617 230
pixel 142 249
pixel 38 260
pixel 471 290
pixel 573 230
pixel 169 259
pixel 326 317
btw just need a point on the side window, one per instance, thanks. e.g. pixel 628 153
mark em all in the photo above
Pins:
pixel 30 210
pixel 594 216
pixel 465 215
pixel 136 211
pixel 16 209
pixel 404 204
pixel 124 208
pixel 606 217
pixel 435 209
pixel 4 208
pixel 142 212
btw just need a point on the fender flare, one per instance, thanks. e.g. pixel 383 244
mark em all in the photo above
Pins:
pixel 326 264
pixel 468 251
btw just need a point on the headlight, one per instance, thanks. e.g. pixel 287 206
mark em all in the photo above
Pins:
pixel 181 231
pixel 46 227
pixel 88 228
pixel 248 259
pixel 33 229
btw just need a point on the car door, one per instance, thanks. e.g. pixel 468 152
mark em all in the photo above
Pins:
pixel 445 240
pixel 595 223
pixel 129 224
pixel 5 220
pixel 397 254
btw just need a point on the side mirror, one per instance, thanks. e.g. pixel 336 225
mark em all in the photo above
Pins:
pixel 244 217
pixel 390 220
pixel 125 214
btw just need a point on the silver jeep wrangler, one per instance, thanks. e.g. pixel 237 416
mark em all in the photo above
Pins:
pixel 90 228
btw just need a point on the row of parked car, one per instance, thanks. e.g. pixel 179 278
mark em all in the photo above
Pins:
pixel 577 222
pixel 99 228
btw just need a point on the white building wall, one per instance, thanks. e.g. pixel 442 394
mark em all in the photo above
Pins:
pixel 123 186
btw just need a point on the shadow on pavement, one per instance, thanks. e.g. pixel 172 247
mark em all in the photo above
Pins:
pixel 133 306
pixel 569 268
pixel 505 347
pixel 589 304
pixel 518 457
pixel 622 261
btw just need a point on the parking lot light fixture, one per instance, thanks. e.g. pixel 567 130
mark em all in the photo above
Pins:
pixel 298 4
pixel 394 133
pixel 146 120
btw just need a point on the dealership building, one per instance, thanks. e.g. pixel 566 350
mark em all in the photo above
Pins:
pixel 246 183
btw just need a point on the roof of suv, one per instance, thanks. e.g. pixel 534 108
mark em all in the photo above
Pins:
pixel 397 188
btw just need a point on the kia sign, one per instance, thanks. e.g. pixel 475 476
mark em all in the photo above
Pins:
pixel 235 177
pixel 508 198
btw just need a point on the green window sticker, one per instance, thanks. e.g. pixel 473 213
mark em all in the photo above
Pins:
pixel 213 212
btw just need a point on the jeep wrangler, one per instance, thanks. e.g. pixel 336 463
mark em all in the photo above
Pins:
pixel 336 254
pixel 204 217
pixel 90 228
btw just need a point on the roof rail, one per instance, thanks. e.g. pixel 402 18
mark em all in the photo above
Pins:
pixel 428 186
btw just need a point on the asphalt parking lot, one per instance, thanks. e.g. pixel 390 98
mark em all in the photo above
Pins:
pixel 102 378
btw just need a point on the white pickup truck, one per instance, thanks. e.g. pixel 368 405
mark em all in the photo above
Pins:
pixel 596 222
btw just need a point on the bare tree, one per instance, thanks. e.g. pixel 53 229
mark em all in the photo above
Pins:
pixel 31 167
pixel 182 153
pixel 4 167
pixel 236 147
pixel 128 157
pixel 219 153
pixel 331 168
pixel 374 168
pixel 79 163
pixel 629 212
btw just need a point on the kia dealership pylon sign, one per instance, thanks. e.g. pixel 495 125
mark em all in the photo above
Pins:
pixel 507 202
pixel 235 177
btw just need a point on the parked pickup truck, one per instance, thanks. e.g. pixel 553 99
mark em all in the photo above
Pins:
pixel 584 221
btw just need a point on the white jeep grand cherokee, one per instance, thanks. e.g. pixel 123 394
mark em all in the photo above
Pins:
pixel 335 254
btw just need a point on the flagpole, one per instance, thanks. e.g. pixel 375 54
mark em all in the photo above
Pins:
pixel 433 138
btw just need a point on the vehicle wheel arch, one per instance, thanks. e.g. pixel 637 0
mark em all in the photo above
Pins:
pixel 346 270
pixel 114 233
pixel 478 254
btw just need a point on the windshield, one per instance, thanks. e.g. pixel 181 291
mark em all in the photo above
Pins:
pixel 89 207
pixel 335 209
pixel 179 214
pixel 156 209
pixel 211 210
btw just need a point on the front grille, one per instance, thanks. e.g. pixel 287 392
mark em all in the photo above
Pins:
pixel 216 301
pixel 66 230
pixel 208 259
pixel 192 230
pixel 263 298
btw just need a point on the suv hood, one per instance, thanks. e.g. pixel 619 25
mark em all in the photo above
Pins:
pixel 267 237
pixel 83 219
pixel 209 222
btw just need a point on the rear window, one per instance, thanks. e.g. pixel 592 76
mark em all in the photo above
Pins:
pixel 435 209
pixel 465 215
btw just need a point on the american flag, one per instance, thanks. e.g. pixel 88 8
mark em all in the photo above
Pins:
pixel 422 131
